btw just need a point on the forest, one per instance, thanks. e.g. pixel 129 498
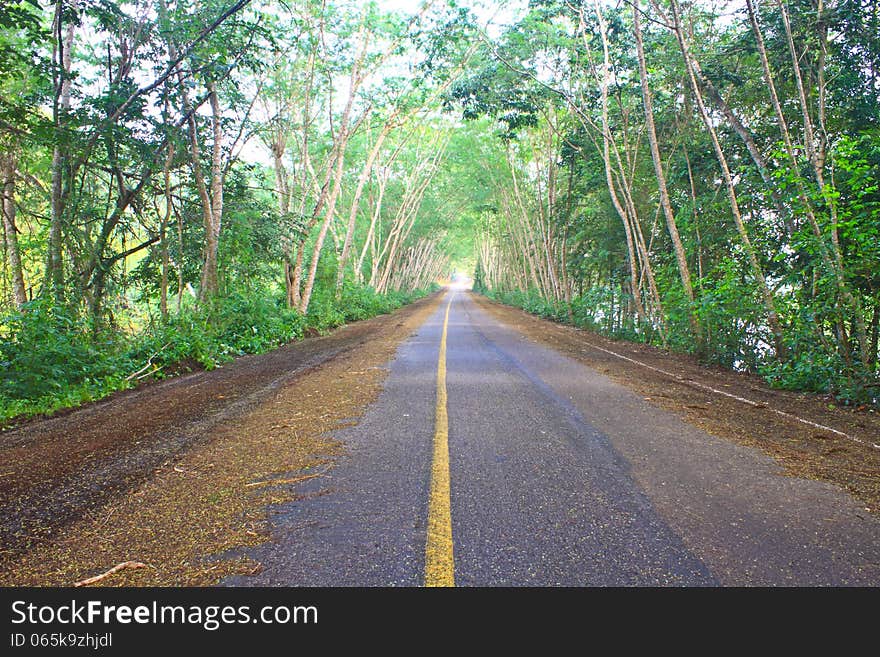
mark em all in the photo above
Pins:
pixel 702 176
pixel 185 181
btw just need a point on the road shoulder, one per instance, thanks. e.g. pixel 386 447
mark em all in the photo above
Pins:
pixel 216 496
pixel 800 450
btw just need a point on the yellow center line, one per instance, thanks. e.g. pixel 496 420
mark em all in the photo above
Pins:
pixel 439 563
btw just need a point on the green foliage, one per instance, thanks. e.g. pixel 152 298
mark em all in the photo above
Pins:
pixel 729 309
pixel 251 246
pixel 591 310
pixel 359 302
pixel 480 278
pixel 45 349
pixel 231 326
pixel 810 367
pixel 52 359
pixel 23 79
pixel 736 339
pixel 531 301
pixel 324 314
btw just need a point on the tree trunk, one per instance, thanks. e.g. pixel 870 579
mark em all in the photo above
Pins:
pixel 13 254
pixel 369 242
pixel 829 259
pixel 61 105
pixel 211 201
pixel 322 233
pixel 875 333
pixel 609 178
pixel 769 304
pixel 163 234
pixel 678 247
pixel 341 142
pixel 355 203
pixel 213 213
pixel 815 149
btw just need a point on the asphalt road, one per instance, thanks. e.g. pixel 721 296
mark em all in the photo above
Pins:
pixel 59 469
pixel 557 476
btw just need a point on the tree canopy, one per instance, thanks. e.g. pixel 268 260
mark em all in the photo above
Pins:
pixel 699 174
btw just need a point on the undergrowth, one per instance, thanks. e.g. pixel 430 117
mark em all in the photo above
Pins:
pixel 52 358
pixel 808 367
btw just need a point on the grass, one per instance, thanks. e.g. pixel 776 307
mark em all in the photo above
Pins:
pixel 53 359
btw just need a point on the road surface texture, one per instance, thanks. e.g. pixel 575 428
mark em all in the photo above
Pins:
pixel 455 441
pixel 557 475
pixel 58 469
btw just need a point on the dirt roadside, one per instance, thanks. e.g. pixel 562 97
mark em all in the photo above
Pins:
pixel 190 465
pixel 802 450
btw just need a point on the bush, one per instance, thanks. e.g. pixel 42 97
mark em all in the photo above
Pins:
pixel 361 302
pixel 51 358
pixel 47 349
pixel 814 367
pixel 230 327
pixel 733 337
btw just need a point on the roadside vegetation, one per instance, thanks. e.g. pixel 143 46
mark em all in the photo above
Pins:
pixel 186 181
pixel 54 360
pixel 701 176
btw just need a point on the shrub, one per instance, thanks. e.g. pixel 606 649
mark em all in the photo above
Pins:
pixel 46 349
pixel 52 358
pixel 230 327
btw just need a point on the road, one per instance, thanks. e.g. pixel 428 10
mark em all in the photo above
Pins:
pixel 59 469
pixel 492 460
